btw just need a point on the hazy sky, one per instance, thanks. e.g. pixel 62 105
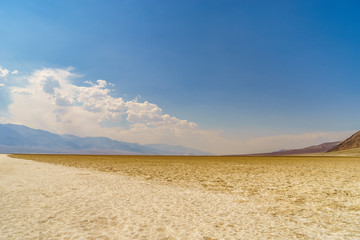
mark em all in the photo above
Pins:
pixel 222 76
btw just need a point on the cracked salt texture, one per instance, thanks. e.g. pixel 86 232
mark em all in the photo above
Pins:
pixel 44 201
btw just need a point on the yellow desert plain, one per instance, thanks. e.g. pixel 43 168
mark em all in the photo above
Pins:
pixel 293 197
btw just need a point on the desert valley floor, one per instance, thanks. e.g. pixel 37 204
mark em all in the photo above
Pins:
pixel 160 197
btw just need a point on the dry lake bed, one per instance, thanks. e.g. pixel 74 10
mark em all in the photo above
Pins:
pixel 167 197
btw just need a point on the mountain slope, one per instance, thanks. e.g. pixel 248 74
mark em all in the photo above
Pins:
pixel 321 148
pixel 21 139
pixel 350 143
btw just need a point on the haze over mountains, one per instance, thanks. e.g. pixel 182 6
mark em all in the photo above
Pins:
pixel 22 139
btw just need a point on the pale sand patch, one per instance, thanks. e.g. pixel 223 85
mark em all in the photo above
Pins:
pixel 44 201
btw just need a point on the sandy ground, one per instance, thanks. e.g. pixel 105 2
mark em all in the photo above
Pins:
pixel 44 201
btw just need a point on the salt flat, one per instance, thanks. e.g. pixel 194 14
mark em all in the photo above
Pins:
pixel 273 201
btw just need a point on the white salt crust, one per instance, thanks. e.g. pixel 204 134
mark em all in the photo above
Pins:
pixel 44 201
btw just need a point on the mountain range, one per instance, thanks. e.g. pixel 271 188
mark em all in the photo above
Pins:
pixel 22 139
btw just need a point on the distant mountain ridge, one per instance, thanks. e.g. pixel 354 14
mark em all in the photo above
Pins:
pixel 350 143
pixel 321 148
pixel 22 139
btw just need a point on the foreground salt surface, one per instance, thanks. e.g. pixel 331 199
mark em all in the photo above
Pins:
pixel 44 201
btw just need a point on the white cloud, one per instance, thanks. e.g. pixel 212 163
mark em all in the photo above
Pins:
pixel 15 72
pixel 2 85
pixel 3 72
pixel 50 101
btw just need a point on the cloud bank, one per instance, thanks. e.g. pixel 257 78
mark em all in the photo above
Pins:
pixel 49 100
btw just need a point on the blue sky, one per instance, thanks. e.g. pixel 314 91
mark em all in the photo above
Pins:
pixel 240 70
